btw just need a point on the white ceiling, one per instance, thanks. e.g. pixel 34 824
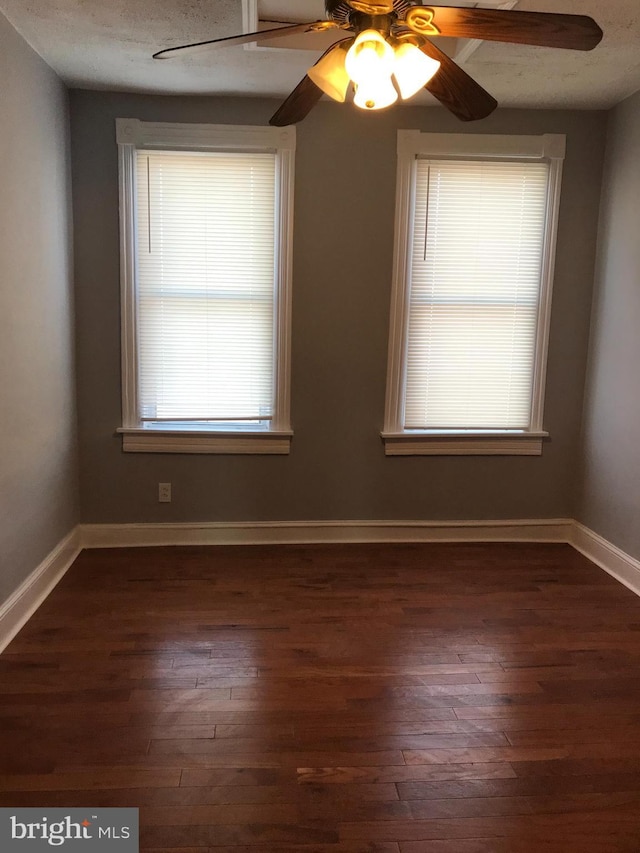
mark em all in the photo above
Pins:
pixel 107 44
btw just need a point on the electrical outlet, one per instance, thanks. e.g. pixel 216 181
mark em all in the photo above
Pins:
pixel 164 493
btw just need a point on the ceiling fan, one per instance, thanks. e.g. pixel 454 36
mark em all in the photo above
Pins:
pixel 391 39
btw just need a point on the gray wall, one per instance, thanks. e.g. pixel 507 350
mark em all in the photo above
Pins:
pixel 610 500
pixel 343 243
pixel 38 476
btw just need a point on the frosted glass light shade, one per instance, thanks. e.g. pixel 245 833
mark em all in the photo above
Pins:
pixel 413 69
pixel 370 57
pixel 330 74
pixel 375 94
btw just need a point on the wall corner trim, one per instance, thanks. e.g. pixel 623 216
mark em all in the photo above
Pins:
pixel 16 611
pixel 620 565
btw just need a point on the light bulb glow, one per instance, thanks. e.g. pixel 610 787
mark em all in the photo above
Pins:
pixel 330 74
pixel 413 69
pixel 375 94
pixel 370 57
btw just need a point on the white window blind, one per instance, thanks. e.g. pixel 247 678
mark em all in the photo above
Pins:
pixel 475 273
pixel 206 286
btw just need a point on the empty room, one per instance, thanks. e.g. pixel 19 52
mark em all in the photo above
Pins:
pixel 319 421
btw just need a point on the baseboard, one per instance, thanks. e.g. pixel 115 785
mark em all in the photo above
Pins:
pixel 20 607
pixel 607 556
pixel 314 532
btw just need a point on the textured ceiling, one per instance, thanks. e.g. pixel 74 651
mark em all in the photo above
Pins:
pixel 107 44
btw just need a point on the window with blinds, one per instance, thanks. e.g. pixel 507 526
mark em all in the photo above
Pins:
pixel 206 288
pixel 206 248
pixel 475 241
pixel 475 274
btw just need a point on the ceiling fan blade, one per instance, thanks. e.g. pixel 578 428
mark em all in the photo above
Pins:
pixel 298 105
pixel 245 38
pixel 455 90
pixel 546 29
pixel 303 98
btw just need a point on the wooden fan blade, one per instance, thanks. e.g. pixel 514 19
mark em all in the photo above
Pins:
pixel 303 98
pixel 546 29
pixel 455 90
pixel 298 105
pixel 245 38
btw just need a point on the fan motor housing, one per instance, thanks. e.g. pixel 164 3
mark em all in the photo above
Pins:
pixel 341 11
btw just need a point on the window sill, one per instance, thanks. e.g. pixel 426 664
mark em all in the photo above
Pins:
pixel 439 443
pixel 190 441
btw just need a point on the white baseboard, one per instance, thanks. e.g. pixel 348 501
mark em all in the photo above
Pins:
pixel 20 607
pixel 313 532
pixel 607 556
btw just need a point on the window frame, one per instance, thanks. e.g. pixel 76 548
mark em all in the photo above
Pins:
pixel 132 136
pixel 414 145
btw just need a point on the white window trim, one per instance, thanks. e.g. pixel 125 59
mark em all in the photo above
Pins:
pixel 412 144
pixel 133 135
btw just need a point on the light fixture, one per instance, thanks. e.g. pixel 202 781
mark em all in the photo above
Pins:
pixel 330 73
pixel 412 69
pixel 370 57
pixel 371 62
pixel 375 94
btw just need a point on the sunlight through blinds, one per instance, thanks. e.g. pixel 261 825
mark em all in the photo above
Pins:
pixel 205 287
pixel 476 267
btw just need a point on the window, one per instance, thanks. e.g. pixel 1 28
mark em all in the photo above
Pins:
pixel 476 224
pixel 206 231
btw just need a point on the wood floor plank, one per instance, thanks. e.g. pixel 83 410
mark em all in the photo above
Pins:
pixel 581 829
pixel 532 805
pixel 266 759
pixel 346 698
pixel 271 833
pixel 304 797
pixel 303 848
pixel 92 781
pixel 526 786
pixel 481 754
pixel 516 845
pixel 230 746
pixel 415 773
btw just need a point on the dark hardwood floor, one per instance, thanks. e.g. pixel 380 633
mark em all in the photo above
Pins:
pixel 388 698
